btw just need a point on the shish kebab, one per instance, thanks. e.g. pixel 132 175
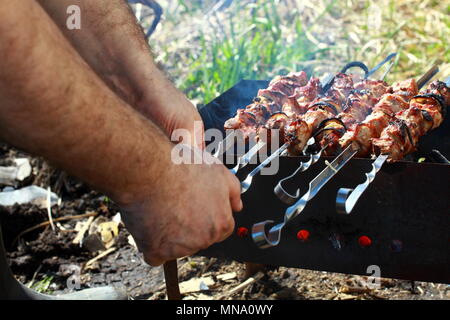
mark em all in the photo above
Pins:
pixel 285 95
pixel 322 108
pixel 352 101
pixel 366 97
pixel 357 118
pixel 426 112
pixel 294 94
pixel 345 106
pixel 347 130
pixel 271 238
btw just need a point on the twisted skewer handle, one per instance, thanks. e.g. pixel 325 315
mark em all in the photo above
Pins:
pixel 271 238
pixel 282 193
pixel 346 199
pixel 245 159
pixel 245 185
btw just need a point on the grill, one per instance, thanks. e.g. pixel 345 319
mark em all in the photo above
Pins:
pixel 400 224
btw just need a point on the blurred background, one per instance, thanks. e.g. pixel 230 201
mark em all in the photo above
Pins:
pixel 206 46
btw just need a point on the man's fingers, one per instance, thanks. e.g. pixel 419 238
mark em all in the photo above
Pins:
pixel 227 229
pixel 235 193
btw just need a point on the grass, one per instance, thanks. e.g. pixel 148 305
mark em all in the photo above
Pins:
pixel 207 53
pixel 257 49
pixel 43 285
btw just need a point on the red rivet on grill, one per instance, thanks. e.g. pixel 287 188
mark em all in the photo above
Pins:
pixel 242 232
pixel 303 235
pixel 364 241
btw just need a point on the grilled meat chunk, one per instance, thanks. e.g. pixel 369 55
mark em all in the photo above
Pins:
pixel 425 113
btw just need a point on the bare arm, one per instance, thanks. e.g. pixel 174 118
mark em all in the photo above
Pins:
pixel 53 105
pixel 113 44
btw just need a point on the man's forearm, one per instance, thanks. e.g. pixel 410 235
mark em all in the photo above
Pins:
pixel 53 105
pixel 113 44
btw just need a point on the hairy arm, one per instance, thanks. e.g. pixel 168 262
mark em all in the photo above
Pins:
pixel 52 104
pixel 113 44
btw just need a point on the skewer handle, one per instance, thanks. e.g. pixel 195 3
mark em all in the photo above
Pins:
pixel 245 159
pixel 271 238
pixel 378 66
pixel 282 193
pixel 269 159
pixel 346 199
pixel 245 185
pixel 427 76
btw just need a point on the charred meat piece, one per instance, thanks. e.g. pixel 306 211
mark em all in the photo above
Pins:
pixel 391 104
pixel 395 138
pixel 274 127
pixel 371 127
pixel 406 88
pixel 426 112
pixel 282 87
pixel 383 112
pixel 306 94
pixel 287 84
pixel 341 88
pixel 294 133
pixel 375 89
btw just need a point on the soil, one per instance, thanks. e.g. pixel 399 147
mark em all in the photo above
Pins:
pixel 50 254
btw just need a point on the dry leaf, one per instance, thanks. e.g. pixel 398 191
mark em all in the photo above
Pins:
pixel 196 284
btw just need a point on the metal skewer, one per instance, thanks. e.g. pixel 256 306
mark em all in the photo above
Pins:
pixel 382 63
pixel 224 145
pixel 246 183
pixel 271 238
pixel 346 198
pixel 279 190
pixel 246 158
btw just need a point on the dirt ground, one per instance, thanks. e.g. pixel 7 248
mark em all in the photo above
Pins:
pixel 49 261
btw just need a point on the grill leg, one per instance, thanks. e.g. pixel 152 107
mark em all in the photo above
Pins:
pixel 253 268
pixel 171 277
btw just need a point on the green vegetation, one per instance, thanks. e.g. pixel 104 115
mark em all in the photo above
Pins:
pixel 207 53
pixel 43 285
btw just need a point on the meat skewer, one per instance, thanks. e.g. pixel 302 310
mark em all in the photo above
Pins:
pixel 272 237
pixel 377 117
pixel 400 137
pixel 359 104
pixel 298 103
pixel 282 122
pixel 306 108
pixel 318 113
pixel 293 97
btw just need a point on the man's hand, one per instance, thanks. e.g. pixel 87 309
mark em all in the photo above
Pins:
pixel 170 110
pixel 53 105
pixel 186 217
